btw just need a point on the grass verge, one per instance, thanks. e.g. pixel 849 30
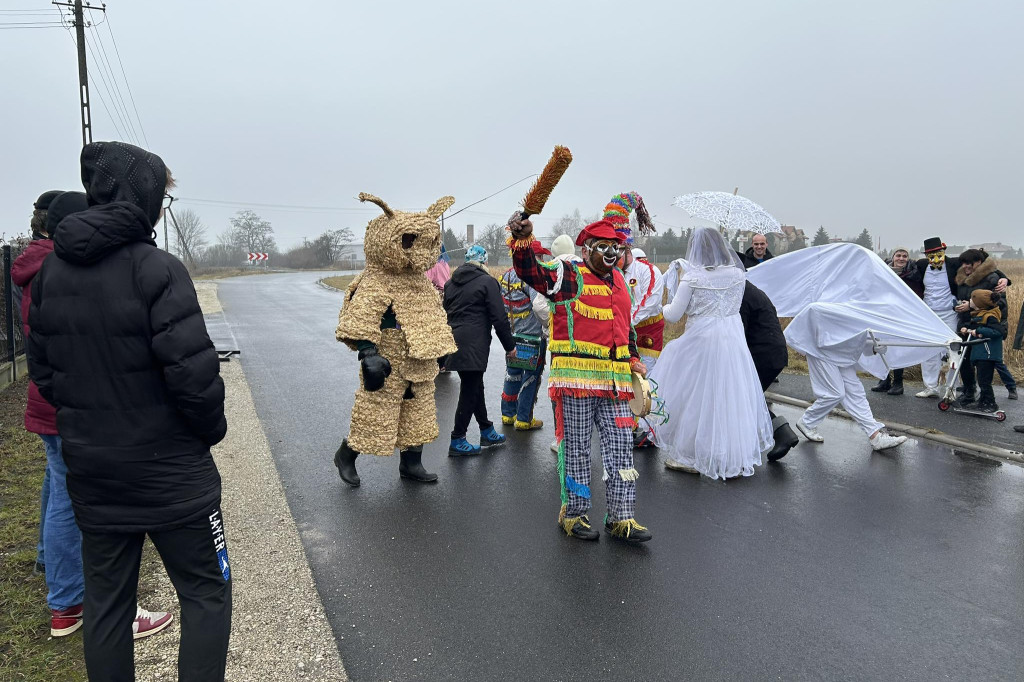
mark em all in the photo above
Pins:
pixel 341 282
pixel 27 652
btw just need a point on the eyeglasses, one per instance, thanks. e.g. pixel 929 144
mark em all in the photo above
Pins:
pixel 609 248
pixel 168 200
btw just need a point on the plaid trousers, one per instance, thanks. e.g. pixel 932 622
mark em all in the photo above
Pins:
pixel 615 425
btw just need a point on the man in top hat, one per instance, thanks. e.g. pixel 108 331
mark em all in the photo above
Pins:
pixel 593 355
pixel 937 273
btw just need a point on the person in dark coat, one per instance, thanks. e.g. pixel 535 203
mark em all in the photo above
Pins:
pixel 118 345
pixel 757 253
pixel 472 299
pixel 978 271
pixel 907 272
pixel 768 350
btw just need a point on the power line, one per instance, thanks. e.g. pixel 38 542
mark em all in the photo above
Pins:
pixel 126 83
pixel 493 195
pixel 113 100
pixel 97 39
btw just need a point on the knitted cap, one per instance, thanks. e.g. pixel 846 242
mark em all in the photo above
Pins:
pixel 617 213
pixel 476 254
pixel 43 202
pixel 562 246
pixel 983 299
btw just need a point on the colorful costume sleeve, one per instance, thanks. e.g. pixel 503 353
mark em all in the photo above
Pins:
pixel 556 280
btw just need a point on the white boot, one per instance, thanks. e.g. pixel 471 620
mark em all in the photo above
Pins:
pixel 929 392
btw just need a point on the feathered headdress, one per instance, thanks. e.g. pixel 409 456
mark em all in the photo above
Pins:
pixel 617 213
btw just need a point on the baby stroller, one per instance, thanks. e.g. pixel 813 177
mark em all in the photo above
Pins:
pixel 949 400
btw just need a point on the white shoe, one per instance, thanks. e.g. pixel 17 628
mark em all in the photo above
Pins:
pixel 933 392
pixel 809 433
pixel 554 446
pixel 883 441
pixel 677 466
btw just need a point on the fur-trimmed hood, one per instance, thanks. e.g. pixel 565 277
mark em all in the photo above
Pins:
pixel 983 270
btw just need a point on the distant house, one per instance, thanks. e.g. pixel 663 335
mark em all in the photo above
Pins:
pixel 789 238
pixel 994 249
pixel 353 256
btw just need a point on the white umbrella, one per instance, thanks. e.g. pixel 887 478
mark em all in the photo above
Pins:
pixel 729 211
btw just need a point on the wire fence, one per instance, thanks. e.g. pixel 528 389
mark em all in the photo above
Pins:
pixel 12 341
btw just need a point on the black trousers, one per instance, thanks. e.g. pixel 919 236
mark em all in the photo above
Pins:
pixel 472 402
pixel 985 370
pixel 195 556
pixel 967 375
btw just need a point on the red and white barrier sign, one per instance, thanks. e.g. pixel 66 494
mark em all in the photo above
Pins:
pixel 256 257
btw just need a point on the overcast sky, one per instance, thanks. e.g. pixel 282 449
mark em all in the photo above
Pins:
pixel 901 116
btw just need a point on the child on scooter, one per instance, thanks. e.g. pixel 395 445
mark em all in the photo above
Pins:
pixel 988 320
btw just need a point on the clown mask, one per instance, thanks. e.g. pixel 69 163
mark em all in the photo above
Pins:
pixel 603 255
pixel 936 259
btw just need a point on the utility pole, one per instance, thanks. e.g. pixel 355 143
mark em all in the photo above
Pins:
pixel 83 71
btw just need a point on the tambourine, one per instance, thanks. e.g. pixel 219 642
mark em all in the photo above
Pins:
pixel 640 405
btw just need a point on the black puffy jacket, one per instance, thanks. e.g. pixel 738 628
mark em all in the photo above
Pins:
pixel 472 299
pixel 765 339
pixel 119 347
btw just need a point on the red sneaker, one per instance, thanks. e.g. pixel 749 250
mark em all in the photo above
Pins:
pixel 65 621
pixel 148 623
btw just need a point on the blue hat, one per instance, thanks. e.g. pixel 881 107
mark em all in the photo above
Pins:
pixel 476 253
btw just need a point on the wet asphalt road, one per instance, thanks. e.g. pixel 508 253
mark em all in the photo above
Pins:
pixel 835 563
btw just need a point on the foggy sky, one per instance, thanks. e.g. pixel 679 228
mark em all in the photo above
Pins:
pixel 902 117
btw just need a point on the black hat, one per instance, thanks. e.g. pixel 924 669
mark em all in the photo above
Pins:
pixel 933 244
pixel 43 202
pixel 63 206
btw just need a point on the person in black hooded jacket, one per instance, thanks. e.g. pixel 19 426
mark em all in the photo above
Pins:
pixel 119 346
pixel 472 299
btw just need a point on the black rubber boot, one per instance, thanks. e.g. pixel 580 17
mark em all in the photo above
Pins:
pixel 345 460
pixel 785 439
pixel 897 383
pixel 884 385
pixel 411 466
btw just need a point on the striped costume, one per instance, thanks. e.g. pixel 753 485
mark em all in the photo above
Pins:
pixel 592 341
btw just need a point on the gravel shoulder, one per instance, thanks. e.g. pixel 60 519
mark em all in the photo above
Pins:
pixel 279 630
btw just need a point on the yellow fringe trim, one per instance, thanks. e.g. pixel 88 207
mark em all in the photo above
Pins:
pixel 629 474
pixel 517 244
pixel 584 269
pixel 650 320
pixel 568 524
pixel 561 514
pixel 592 312
pixel 588 348
pixel 623 528
pixel 589 365
pixel 519 316
pixel 597 290
pixel 512 285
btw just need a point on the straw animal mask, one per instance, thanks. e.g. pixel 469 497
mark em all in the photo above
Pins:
pixel 399 241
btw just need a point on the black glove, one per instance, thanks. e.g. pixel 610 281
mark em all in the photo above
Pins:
pixel 375 369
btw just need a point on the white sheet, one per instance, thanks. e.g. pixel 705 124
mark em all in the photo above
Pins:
pixel 838 296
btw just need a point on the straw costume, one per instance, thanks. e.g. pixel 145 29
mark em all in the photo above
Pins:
pixel 392 315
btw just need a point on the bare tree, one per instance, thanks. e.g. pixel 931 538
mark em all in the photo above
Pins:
pixel 493 238
pixel 330 246
pixel 570 224
pixel 189 236
pixel 251 234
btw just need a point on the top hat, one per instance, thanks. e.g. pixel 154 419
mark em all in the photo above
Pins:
pixel 933 244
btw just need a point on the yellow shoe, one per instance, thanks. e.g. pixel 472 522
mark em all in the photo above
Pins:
pixel 507 421
pixel 528 426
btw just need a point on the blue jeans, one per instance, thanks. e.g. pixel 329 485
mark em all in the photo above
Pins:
pixel 522 385
pixel 62 541
pixel 44 497
pixel 1005 376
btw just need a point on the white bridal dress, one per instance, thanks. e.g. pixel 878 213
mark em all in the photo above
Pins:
pixel 718 421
